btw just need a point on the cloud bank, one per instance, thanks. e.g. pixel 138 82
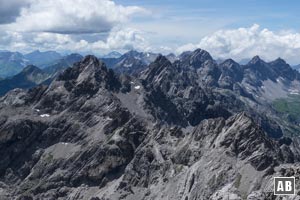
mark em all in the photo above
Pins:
pixel 72 25
pixel 244 43
pixel 72 17
pixel 118 39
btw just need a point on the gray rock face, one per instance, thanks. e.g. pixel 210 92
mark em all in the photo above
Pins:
pixel 178 131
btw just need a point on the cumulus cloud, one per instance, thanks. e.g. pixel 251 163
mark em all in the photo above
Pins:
pixel 10 10
pixel 72 25
pixel 118 39
pixel 247 42
pixel 125 39
pixel 72 16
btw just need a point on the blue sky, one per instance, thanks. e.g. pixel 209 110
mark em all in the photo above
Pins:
pixel 238 29
pixel 275 14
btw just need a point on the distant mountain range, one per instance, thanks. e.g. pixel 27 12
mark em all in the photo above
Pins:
pixel 297 67
pixel 113 54
pixel 50 63
pixel 12 63
pixel 31 75
pixel 133 62
pixel 42 59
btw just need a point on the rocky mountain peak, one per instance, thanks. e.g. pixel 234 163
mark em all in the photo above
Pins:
pixel 159 64
pixel 91 74
pixel 113 54
pixel 255 60
pixel 280 61
pixel 162 60
pixel 132 53
pixel 231 65
pixel 232 73
pixel 259 70
pixel 89 65
pixel 90 59
pixel 200 54
pixel 195 58
pixel 284 70
pixel 228 63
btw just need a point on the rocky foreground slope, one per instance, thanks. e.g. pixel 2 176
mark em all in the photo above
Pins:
pixel 185 130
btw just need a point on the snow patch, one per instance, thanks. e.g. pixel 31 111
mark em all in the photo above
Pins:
pixel 248 88
pixel 293 91
pixel 137 87
pixel 279 79
pixel 45 115
pixel 128 65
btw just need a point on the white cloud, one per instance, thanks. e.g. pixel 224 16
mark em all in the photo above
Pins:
pixel 72 16
pixel 118 39
pixel 186 47
pixel 247 42
pixel 69 25
pixel 125 39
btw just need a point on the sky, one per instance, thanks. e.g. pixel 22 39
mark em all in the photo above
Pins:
pixel 238 29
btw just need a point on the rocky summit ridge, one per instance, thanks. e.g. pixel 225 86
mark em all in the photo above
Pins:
pixel 183 130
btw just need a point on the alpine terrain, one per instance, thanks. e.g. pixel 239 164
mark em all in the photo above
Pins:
pixel 151 127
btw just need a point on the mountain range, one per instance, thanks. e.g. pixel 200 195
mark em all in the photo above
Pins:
pixel 12 63
pixel 297 67
pixel 148 126
pixel 132 62
pixel 31 75
pixel 39 58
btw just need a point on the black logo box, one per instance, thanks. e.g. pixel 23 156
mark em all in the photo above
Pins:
pixel 285 182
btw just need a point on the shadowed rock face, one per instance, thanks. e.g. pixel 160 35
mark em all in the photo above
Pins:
pixel 180 130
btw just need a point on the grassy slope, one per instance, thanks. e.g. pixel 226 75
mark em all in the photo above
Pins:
pixel 289 106
pixel 290 110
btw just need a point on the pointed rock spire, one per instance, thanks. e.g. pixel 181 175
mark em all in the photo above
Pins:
pixel 255 60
